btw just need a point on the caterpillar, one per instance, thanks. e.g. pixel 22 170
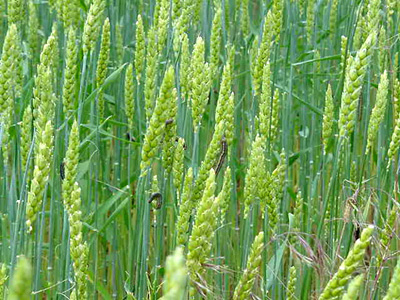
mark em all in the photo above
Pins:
pixel 62 170
pixel 222 156
pixel 159 201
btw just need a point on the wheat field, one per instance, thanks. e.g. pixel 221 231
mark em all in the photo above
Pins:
pixel 199 149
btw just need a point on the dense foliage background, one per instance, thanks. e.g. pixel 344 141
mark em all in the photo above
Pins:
pixel 253 143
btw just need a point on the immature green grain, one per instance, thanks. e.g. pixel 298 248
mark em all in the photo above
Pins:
pixel 310 21
pixel 184 70
pixel 185 210
pixel 70 72
pixel 277 11
pixel 130 97
pixel 170 133
pixel 394 287
pixel 372 18
pixel 229 119
pixel 327 125
pixel 17 68
pixel 265 103
pixel 140 49
pixel 392 7
pixel 253 53
pixel 378 112
pixel 209 161
pixel 71 164
pixel 3 279
pixel 54 4
pixel 200 241
pixel 200 83
pixel 26 136
pixel 297 217
pixel 79 249
pixel 354 288
pixel 291 286
pixel 274 122
pixel 396 98
pixel 197 8
pixel 2 9
pixel 151 72
pixel 386 235
pixel 33 28
pixel 8 57
pixel 333 16
pixel 157 124
pixel 271 189
pixel 224 196
pixel 343 52
pixel 163 23
pixel 302 4
pixel 335 287
pixel 352 87
pixel 177 6
pixel 382 53
pixel 178 164
pixel 245 18
pixel 317 62
pixel 43 98
pixel 224 110
pixel 156 14
pixel 119 43
pixel 264 53
pixel 174 286
pixel 231 58
pixel 246 282
pixel 395 141
pixel 49 52
pixel 102 65
pixel 20 286
pixel 41 173
pixel 228 18
pixel 278 175
pixel 182 25
pixel 93 21
pixel 358 34
pixel 43 102
pixel 215 44
pixel 254 172
pixel 154 188
pixel 224 93
pixel 71 13
pixel 15 11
